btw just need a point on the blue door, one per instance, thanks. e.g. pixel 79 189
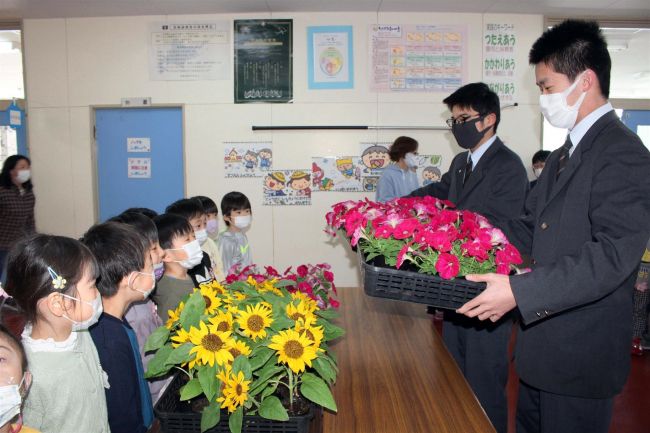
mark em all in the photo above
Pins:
pixel 139 158
pixel 639 122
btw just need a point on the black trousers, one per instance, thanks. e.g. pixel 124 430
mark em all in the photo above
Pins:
pixel 481 351
pixel 543 412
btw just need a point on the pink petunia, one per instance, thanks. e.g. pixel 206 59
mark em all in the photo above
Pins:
pixel 402 255
pixel 329 276
pixel 406 228
pixel 447 266
pixel 302 271
pixel 497 237
pixel 474 248
pixel 440 241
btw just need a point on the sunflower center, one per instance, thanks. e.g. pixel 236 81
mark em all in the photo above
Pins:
pixel 310 335
pixel 212 342
pixel 255 323
pixel 239 389
pixel 295 316
pixel 234 352
pixel 223 326
pixel 208 302
pixel 293 349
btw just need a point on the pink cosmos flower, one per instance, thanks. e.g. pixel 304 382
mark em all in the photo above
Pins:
pixel 447 266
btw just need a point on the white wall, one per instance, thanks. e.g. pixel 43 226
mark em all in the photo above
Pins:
pixel 73 64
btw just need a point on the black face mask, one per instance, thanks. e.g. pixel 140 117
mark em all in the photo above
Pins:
pixel 466 134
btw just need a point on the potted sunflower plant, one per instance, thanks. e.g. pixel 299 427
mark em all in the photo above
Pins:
pixel 253 349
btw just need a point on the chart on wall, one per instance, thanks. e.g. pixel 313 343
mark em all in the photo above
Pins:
pixel 499 53
pixel 330 59
pixel 189 51
pixel 247 158
pixel 417 58
pixel 287 187
pixel 263 60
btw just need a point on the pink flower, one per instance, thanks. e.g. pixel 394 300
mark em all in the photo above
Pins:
pixel 271 271
pixel 302 271
pixel 305 288
pixel 476 249
pixel 402 255
pixel 497 237
pixel 406 228
pixel 440 241
pixel 447 217
pixel 354 221
pixel 509 254
pixel 334 303
pixel 328 276
pixel 503 268
pixel 447 266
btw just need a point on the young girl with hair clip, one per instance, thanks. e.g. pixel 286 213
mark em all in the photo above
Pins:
pixel 52 279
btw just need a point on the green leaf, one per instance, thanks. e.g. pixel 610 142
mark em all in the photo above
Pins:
pixel 157 339
pixel 180 355
pixel 316 390
pixel 271 408
pixel 210 416
pixel 328 314
pixel 260 357
pixel 209 382
pixel 324 369
pixel 281 322
pixel 241 364
pixel 270 389
pixel 266 374
pixel 191 314
pixel 331 332
pixel 191 389
pixel 284 283
pixel 235 420
pixel 158 364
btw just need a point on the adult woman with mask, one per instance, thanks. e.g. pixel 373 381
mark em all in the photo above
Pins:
pixel 399 179
pixel 16 204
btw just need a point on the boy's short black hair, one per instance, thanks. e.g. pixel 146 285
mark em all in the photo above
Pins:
pixel 478 97
pixel 572 47
pixel 401 146
pixel 142 224
pixel 540 156
pixel 169 226
pixel 119 250
pixel 209 206
pixel 17 345
pixel 234 200
pixel 187 208
pixel 149 213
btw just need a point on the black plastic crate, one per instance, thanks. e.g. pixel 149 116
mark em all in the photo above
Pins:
pixel 176 416
pixel 415 287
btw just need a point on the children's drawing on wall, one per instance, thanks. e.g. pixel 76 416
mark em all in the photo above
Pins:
pixel 247 159
pixel 428 169
pixel 287 187
pixel 375 158
pixel 369 183
pixel 342 173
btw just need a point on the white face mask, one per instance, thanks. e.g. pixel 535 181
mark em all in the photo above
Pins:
pixel 537 172
pixel 411 160
pixel 243 221
pixel 23 175
pixel 556 110
pixel 10 401
pixel 145 293
pixel 97 307
pixel 194 254
pixel 201 236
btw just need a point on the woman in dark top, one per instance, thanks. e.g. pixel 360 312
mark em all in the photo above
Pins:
pixel 16 204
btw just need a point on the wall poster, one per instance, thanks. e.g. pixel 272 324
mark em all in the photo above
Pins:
pixel 287 187
pixel 499 52
pixel 263 60
pixel 247 158
pixel 330 61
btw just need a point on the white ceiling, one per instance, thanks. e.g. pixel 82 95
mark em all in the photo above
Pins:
pixel 613 9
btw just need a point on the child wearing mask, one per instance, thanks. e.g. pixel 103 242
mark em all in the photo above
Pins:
pixel 211 212
pixel 14 383
pixel 182 253
pixel 126 276
pixel 191 209
pixel 399 179
pixel 52 279
pixel 233 243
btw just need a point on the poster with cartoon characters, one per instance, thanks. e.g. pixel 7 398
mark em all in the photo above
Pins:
pixel 374 159
pixel 287 187
pixel 336 173
pixel 428 169
pixel 247 159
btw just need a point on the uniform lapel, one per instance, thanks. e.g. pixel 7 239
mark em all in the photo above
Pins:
pixel 478 172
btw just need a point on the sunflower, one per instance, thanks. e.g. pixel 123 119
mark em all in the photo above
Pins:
pixel 314 333
pixel 293 349
pixel 181 337
pixel 302 311
pixel 210 345
pixel 237 348
pixel 210 298
pixel 269 286
pixel 235 392
pixel 174 315
pixel 217 287
pixel 223 321
pixel 301 296
pixel 239 296
pixel 254 321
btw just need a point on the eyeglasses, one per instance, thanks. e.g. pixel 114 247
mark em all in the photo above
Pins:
pixel 460 119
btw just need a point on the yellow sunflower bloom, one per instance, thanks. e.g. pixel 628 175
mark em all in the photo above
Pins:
pixel 239 296
pixel 298 312
pixel 210 298
pixel 235 392
pixel 223 321
pixel 314 333
pixel 174 315
pixel 254 321
pixel 311 304
pixel 251 281
pixel 216 285
pixel 210 345
pixel 293 349
pixel 237 348
pixel 269 286
pixel 181 337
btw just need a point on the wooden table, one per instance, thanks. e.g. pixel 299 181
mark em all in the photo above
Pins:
pixel 396 374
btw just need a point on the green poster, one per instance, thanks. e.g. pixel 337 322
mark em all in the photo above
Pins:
pixel 263 60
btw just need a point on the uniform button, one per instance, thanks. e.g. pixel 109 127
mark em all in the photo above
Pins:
pixel 543 226
pixel 546 312
pixel 538 314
